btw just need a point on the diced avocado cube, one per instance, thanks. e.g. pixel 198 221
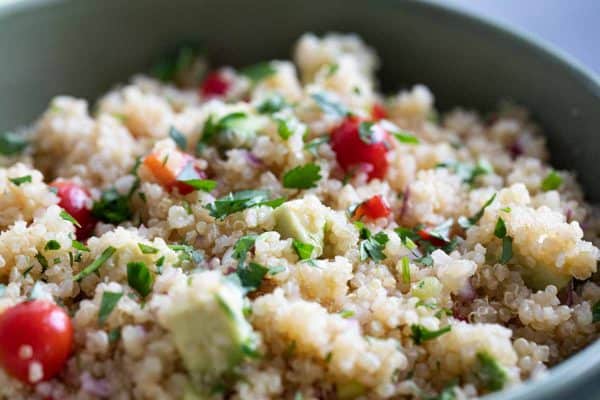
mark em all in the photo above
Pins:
pixel 297 220
pixel 208 326
pixel 237 130
pixel 427 288
pixel 541 276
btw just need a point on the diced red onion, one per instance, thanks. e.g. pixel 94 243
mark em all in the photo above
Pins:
pixel 253 160
pixel 95 387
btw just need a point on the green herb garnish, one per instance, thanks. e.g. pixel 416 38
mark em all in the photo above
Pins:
pixel 242 247
pixel 346 313
pixel 490 373
pixel 302 177
pixel 252 275
pixel 239 201
pixel 52 245
pixel 406 138
pixel 314 144
pixel 500 228
pixel 421 334
pixel 140 278
pixel 178 137
pixel 466 223
pixel 147 249
pixel 68 217
pixel 112 207
pixel 552 181
pixel 272 104
pixel 188 253
pixel 405 269
pixel 189 176
pixel 506 249
pixel 96 264
pixel 371 246
pixel 107 305
pixel 21 180
pixel 303 250
pixel 79 246
pixel 42 260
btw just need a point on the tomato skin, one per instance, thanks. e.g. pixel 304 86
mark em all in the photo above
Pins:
pixel 42 325
pixel 425 235
pixel 214 85
pixel 166 172
pixel 373 208
pixel 378 112
pixel 351 151
pixel 75 200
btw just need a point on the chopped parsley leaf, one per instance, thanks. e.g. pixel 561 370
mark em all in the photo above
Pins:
pixel 467 172
pixel 188 253
pixel 107 305
pixel 21 180
pixel 466 223
pixel 96 264
pixel 251 276
pixel 68 217
pixel 329 105
pixel 27 271
pixel 79 246
pixel 272 104
pixel 346 313
pixel 302 177
pixel 283 129
pixel 405 269
pixel 371 246
pixel 242 247
pixel 112 207
pixel 303 250
pixel 42 260
pixel 406 138
pixel 147 249
pixel 11 143
pixel 239 201
pixel 140 278
pixel 506 249
pixel 159 264
pixel 490 373
pixel 552 181
pixel 190 177
pixel 178 137
pixel 500 228
pixel 314 144
pixel 114 335
pixel 52 245
pixel 258 72
pixel 421 334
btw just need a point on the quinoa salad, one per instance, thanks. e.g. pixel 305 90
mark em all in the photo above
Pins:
pixel 285 231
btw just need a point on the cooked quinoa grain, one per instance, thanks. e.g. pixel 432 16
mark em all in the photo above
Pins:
pixel 284 231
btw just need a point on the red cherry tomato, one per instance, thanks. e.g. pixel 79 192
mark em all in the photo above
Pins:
pixel 77 202
pixel 378 112
pixel 35 332
pixel 352 152
pixel 425 235
pixel 166 170
pixel 214 85
pixel 373 208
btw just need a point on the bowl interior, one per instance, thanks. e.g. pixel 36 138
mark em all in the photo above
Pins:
pixel 83 48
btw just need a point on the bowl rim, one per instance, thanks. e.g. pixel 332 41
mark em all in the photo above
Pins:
pixel 584 365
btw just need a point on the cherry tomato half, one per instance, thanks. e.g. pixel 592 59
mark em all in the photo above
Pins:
pixel 214 85
pixel 351 151
pixel 77 201
pixel 378 112
pixel 373 208
pixel 167 168
pixel 35 331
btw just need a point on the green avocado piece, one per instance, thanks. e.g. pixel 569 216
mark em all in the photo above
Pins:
pixel 208 326
pixel 295 221
pixel 541 276
pixel 237 130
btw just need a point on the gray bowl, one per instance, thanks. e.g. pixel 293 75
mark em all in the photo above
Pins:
pixel 82 48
